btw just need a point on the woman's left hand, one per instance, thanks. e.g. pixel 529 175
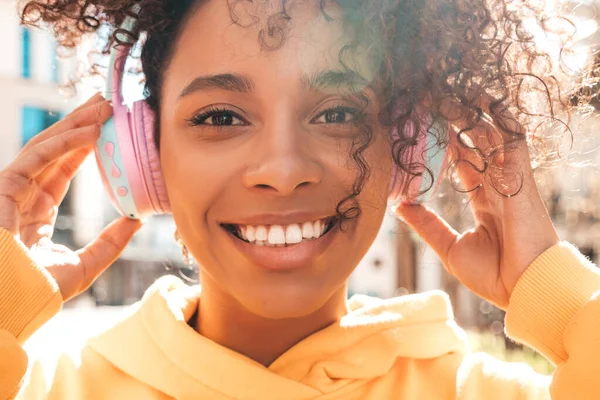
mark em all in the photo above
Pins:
pixel 509 233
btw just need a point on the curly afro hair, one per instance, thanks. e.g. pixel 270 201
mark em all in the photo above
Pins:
pixel 468 61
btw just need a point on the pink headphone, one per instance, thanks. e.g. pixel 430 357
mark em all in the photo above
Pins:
pixel 129 163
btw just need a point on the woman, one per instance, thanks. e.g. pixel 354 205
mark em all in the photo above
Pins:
pixel 273 118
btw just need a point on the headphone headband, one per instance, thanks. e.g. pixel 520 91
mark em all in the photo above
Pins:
pixel 126 154
pixel 117 60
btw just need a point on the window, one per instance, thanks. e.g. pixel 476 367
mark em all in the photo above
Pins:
pixel 34 120
pixel 26 61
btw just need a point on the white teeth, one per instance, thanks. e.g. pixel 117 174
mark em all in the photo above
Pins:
pixel 317 229
pixel 276 235
pixel 293 234
pixel 250 233
pixel 279 236
pixel 307 230
pixel 261 233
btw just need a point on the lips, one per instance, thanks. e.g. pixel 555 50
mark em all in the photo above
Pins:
pixel 284 257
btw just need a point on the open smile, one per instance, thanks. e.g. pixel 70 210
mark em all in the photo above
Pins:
pixel 283 247
pixel 282 235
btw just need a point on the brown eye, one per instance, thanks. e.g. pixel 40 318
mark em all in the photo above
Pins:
pixel 222 119
pixel 217 118
pixel 338 115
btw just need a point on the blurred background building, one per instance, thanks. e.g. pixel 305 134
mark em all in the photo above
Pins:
pixel 30 100
pixel 398 262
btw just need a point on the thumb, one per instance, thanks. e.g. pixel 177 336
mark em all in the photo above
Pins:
pixel 432 228
pixel 98 255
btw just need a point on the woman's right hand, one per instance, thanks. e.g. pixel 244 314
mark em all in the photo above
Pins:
pixel 35 183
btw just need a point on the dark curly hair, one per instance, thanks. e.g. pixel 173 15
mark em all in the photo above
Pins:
pixel 466 60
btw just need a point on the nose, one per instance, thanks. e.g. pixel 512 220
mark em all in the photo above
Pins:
pixel 281 160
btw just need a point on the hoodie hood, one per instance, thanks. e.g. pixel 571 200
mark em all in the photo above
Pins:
pixel 154 344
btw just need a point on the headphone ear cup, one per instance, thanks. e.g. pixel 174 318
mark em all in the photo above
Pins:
pixel 406 186
pixel 149 160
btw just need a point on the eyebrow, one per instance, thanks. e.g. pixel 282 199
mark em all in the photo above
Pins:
pixel 232 82
pixel 334 79
pixel 228 82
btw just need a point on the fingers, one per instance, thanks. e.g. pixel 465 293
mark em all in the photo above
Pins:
pixel 95 98
pixel 491 144
pixel 480 163
pixel 52 186
pixel 56 179
pixel 434 230
pixel 102 252
pixel 95 111
pixel 469 166
pixel 32 162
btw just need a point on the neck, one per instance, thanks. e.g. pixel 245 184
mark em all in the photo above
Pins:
pixel 225 321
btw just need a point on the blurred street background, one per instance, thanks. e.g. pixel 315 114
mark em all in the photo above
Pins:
pixel 33 97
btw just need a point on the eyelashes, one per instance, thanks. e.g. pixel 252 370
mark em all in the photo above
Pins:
pixel 217 117
pixel 223 117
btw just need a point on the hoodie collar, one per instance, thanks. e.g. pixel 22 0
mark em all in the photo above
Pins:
pixel 154 344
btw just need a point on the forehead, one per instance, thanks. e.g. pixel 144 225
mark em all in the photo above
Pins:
pixel 222 36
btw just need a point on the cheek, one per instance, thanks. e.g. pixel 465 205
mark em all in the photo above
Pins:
pixel 194 176
pixel 380 164
pixel 374 163
pixel 373 198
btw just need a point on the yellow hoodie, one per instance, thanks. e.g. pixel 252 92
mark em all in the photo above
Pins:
pixel 403 348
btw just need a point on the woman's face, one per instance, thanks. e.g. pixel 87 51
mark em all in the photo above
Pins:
pixel 260 142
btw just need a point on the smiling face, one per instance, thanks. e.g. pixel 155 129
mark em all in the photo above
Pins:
pixel 257 145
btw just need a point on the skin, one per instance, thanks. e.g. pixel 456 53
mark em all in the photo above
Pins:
pixel 280 161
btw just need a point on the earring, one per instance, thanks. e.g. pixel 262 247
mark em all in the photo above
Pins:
pixel 184 250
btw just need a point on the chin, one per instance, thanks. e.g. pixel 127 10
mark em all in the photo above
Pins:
pixel 285 302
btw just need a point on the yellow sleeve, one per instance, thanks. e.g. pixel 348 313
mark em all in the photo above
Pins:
pixel 29 297
pixel 555 309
